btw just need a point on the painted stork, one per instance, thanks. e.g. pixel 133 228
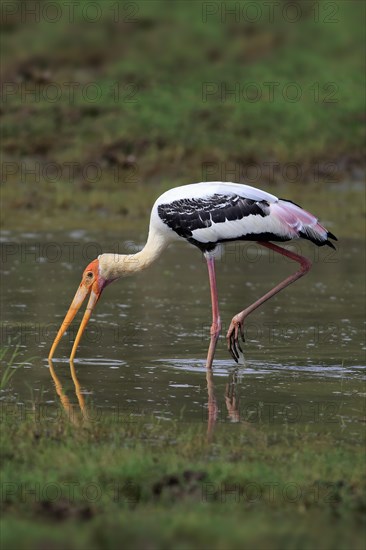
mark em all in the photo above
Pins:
pixel 206 215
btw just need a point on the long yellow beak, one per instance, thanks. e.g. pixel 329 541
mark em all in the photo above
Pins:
pixel 79 297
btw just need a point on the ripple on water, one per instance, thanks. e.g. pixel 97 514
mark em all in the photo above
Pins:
pixel 225 367
pixel 97 361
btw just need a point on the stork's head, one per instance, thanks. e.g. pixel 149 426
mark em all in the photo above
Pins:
pixel 92 279
pixel 93 283
pixel 97 275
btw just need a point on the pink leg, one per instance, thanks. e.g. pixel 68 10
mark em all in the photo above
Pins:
pixel 236 324
pixel 216 322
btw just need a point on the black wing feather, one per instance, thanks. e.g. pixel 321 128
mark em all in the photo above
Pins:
pixel 187 215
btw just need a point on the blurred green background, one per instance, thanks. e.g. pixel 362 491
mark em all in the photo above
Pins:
pixel 107 104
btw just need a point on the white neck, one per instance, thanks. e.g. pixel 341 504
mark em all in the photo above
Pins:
pixel 113 266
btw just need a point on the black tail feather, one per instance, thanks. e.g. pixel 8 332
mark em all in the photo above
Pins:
pixel 329 243
pixel 318 241
pixel 331 236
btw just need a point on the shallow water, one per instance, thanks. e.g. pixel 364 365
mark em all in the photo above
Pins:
pixel 145 347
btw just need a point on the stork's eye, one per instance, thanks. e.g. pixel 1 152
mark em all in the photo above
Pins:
pixel 89 274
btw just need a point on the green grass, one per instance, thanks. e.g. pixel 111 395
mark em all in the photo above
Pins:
pixel 160 129
pixel 151 484
pixel 8 356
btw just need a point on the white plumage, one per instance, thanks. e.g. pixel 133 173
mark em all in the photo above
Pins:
pixel 213 212
pixel 209 188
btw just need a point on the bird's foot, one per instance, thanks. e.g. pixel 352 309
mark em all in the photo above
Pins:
pixel 235 330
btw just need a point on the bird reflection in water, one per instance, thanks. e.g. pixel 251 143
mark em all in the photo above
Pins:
pixel 70 409
pixel 231 399
pixel 232 403
pixel 81 415
pixel 211 404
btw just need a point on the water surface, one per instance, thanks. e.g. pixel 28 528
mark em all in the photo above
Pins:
pixel 145 347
